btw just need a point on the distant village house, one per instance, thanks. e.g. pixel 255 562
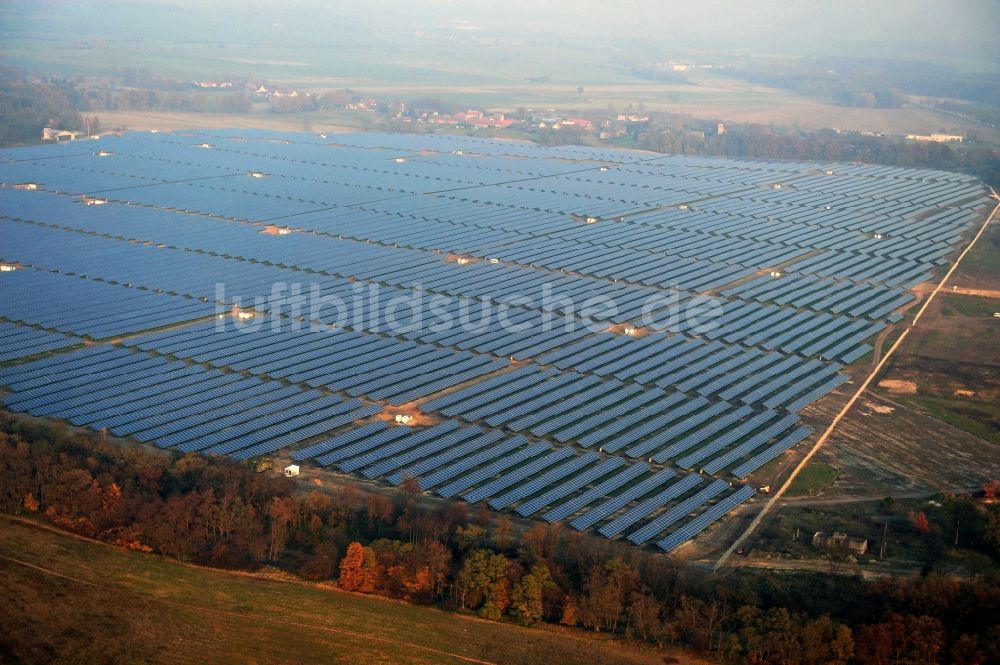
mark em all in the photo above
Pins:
pixel 936 138
pixel 59 135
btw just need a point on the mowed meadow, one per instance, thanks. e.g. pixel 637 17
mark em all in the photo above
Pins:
pixel 99 603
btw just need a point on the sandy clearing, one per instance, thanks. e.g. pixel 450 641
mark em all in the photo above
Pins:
pixel 898 386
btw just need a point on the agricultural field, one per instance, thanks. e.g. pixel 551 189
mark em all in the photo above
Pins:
pixel 68 599
pixel 318 121
pixel 626 343
pixel 709 96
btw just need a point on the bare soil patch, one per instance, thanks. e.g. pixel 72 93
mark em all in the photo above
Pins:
pixel 898 386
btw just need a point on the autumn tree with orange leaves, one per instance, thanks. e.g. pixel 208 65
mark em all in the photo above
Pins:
pixel 358 569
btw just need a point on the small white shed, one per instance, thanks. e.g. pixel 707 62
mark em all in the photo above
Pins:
pixel 291 470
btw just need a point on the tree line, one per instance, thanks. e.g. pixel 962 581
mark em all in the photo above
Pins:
pixel 767 142
pixel 220 513
pixel 870 82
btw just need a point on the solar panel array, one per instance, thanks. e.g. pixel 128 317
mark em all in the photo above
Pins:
pixel 21 341
pixel 244 292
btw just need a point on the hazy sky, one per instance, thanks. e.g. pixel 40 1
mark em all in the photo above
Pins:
pixel 931 29
pixel 722 23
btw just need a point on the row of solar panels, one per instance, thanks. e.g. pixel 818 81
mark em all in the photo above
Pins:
pixel 386 368
pixel 88 308
pixel 298 143
pixel 324 162
pixel 749 326
pixel 811 228
pixel 479 465
pixel 804 333
pixel 269 350
pixel 640 267
pixel 840 217
pixel 265 350
pixel 307 147
pixel 924 188
pixel 20 341
pixel 813 209
pixel 399 372
pixel 358 364
pixel 192 409
pixel 890 198
pixel 77 253
pixel 806 227
pixel 634 266
pixel 690 365
pixel 175 404
pixel 621 417
pixel 824 294
pixel 883 270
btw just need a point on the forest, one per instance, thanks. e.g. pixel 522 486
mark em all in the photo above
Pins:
pixel 28 105
pixel 218 513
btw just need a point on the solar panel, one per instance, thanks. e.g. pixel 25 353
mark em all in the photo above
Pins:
pixel 702 521
pixel 464 482
pixel 603 488
pixel 437 461
pixel 762 458
pixel 517 475
pixel 679 511
pixel 378 438
pixel 339 441
pixel 616 503
pixel 750 444
pixel 544 480
pixel 415 450
pixel 644 508
pixel 568 487
pixel 727 439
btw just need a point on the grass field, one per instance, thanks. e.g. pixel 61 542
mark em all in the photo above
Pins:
pixel 953 355
pixel 981 267
pixel 326 122
pixel 977 307
pixel 975 417
pixel 813 479
pixel 71 600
